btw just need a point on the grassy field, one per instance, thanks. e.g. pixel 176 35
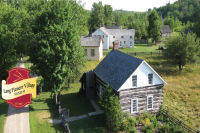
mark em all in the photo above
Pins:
pixel 181 95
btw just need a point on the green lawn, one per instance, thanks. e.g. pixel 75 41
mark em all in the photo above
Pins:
pixel 42 108
pixel 92 124
pixel 140 48
pixel 3 112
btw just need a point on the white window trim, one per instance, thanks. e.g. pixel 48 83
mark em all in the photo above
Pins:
pixel 132 105
pixel 151 79
pixel 152 103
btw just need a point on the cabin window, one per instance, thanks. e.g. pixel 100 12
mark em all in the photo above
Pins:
pixel 149 102
pixel 124 42
pixel 130 43
pixel 164 34
pixel 134 105
pixel 150 78
pixel 122 36
pixel 167 34
pixel 130 36
pixel 92 52
pixel 85 52
pixel 113 36
pixel 120 44
pixel 134 81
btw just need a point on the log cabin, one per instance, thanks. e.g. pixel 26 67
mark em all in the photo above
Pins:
pixel 138 86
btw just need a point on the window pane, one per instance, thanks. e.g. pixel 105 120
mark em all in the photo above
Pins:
pixel 134 80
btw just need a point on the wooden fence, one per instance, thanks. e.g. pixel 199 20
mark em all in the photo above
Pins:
pixel 141 41
pixel 177 121
pixel 142 53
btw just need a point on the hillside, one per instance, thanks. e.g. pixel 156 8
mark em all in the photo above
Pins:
pixel 184 10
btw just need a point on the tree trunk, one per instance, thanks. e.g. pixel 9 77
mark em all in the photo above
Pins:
pixel 180 67
pixel 73 79
pixel 68 82
pixel 56 101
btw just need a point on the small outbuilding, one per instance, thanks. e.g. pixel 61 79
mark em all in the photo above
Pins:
pixel 165 31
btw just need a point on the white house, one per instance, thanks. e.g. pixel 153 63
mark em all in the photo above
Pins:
pixel 93 46
pixel 138 86
pixel 124 36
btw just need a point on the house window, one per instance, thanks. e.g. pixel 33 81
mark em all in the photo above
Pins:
pixel 167 34
pixel 149 102
pixel 92 52
pixel 120 44
pixel 85 52
pixel 113 36
pixel 130 36
pixel 122 36
pixel 130 43
pixel 150 78
pixel 124 42
pixel 134 105
pixel 103 36
pixel 164 34
pixel 134 81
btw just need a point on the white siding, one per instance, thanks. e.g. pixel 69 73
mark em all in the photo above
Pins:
pixel 119 38
pixel 142 77
pixel 105 39
pixel 101 50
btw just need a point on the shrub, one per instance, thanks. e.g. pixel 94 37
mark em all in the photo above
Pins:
pixel 132 130
pixel 154 121
pixel 176 129
pixel 159 114
pixel 148 128
pixel 113 112
pixel 164 128
pixel 123 47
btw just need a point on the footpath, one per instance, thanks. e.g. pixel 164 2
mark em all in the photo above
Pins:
pixel 17 120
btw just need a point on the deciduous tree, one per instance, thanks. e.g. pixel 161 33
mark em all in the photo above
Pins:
pixel 56 44
pixel 183 49
pixel 154 26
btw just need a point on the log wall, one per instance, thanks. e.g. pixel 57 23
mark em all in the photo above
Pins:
pixel 141 94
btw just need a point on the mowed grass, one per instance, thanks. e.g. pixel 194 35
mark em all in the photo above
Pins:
pixel 42 108
pixel 3 113
pixel 92 124
pixel 140 48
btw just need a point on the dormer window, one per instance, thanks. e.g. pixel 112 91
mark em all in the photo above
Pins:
pixel 122 36
pixel 134 81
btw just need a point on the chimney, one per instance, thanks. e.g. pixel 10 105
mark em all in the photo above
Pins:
pixel 131 27
pixel 115 45
pixel 98 26
pixel 91 35
pixel 102 25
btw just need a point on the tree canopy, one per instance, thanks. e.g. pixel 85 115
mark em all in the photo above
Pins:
pixel 183 49
pixel 56 44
